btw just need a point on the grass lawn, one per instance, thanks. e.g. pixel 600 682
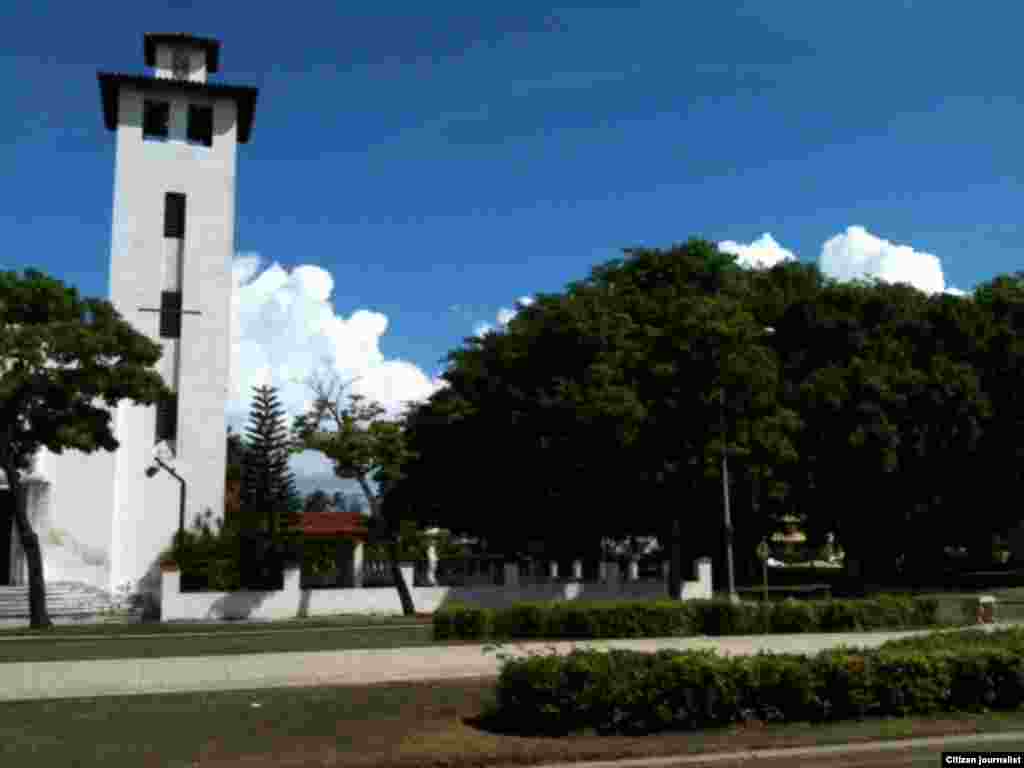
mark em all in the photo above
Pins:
pixel 70 647
pixel 392 725
pixel 115 628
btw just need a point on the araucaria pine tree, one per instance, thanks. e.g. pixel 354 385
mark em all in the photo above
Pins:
pixel 268 496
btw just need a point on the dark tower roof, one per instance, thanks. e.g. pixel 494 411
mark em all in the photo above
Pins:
pixel 244 96
pixel 208 44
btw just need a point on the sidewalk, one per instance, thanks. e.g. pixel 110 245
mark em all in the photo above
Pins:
pixel 117 677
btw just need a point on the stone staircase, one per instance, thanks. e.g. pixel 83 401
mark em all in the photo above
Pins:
pixel 66 601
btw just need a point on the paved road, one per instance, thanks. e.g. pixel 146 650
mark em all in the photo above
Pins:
pixel 116 677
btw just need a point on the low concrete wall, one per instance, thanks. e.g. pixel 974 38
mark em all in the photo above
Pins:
pixel 293 601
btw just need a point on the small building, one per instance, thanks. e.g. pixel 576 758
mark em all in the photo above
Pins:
pixel 349 531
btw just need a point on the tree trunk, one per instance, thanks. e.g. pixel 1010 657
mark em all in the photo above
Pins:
pixel 404 594
pixel 38 617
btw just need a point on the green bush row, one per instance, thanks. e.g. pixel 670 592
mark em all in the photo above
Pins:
pixel 629 692
pixel 1009 639
pixel 671 618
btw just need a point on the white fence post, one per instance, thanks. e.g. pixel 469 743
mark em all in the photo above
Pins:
pixel 612 573
pixel 511 574
pixel 553 571
pixel 357 564
pixel 170 589
pixel 292 586
pixel 703 568
pixel 577 570
pixel 634 570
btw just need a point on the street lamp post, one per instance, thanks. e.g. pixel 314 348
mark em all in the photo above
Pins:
pixel 730 570
pixel 181 499
pixel 763 553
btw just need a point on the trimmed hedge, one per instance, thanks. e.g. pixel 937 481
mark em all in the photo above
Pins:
pixel 629 692
pixel 1011 639
pixel 578 620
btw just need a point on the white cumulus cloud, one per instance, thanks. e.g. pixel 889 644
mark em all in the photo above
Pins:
pixel 503 317
pixel 854 254
pixel 763 252
pixel 284 328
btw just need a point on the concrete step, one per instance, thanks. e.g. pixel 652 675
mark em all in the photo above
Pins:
pixel 87 604
pixel 63 599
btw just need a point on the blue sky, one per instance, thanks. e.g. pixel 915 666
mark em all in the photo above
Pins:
pixel 414 171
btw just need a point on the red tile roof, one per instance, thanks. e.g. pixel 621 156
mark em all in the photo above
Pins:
pixel 331 524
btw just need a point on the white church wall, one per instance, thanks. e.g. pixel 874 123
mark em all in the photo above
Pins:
pixel 205 353
pixel 75 532
pixel 146 512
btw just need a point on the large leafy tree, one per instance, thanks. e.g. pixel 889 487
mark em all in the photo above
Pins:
pixel 622 380
pixel 997 474
pixel 863 411
pixel 366 448
pixel 268 496
pixel 65 362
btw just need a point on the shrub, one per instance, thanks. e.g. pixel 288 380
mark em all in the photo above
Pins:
pixel 665 618
pixel 722 617
pixel 793 616
pixel 208 559
pixel 779 687
pixel 912 682
pixel 839 616
pixel 1011 638
pixel 473 623
pixel 574 621
pixel 846 683
pixel 443 623
pixel 691 690
pixel 630 692
pixel 523 620
pixel 531 695
pixel 925 611
pixel 887 611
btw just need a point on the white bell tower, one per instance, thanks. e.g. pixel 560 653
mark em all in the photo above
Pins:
pixel 170 277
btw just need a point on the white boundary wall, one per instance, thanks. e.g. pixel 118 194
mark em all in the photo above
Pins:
pixel 293 602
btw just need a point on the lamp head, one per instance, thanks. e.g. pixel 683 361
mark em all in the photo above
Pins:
pixel 150 471
pixel 162 451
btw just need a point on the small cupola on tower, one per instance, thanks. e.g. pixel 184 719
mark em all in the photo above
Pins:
pixel 181 56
